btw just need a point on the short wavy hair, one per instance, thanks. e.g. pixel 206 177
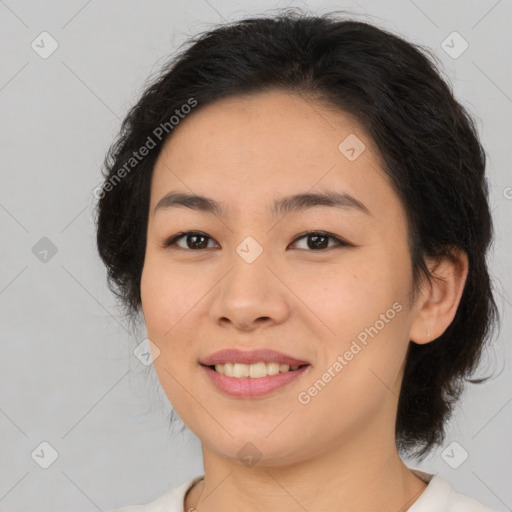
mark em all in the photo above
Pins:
pixel 428 144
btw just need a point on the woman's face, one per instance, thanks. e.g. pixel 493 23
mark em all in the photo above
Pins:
pixel 252 279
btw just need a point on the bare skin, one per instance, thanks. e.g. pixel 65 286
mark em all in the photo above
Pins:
pixel 337 451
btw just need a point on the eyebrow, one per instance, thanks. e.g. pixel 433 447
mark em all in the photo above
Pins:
pixel 281 206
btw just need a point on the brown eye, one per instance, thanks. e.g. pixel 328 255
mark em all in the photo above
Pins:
pixel 318 240
pixel 193 240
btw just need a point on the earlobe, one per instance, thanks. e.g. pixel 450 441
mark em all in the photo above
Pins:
pixel 440 296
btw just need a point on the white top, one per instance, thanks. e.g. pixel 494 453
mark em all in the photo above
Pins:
pixel 438 496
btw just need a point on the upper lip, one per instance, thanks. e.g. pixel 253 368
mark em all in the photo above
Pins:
pixel 266 355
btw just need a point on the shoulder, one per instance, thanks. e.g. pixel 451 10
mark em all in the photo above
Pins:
pixel 442 497
pixel 171 501
pixel 462 503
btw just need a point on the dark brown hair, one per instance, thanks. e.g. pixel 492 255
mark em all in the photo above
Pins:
pixel 428 144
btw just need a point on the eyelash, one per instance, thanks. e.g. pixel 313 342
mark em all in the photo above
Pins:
pixel 173 239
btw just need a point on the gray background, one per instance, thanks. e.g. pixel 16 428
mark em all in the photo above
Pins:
pixel 68 374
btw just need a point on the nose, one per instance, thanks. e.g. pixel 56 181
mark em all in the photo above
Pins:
pixel 250 296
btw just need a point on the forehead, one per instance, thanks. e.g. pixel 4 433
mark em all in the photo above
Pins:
pixel 251 149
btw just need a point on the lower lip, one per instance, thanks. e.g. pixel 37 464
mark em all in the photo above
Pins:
pixel 247 387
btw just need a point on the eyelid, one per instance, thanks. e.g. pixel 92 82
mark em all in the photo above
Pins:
pixel 169 242
pixel 340 242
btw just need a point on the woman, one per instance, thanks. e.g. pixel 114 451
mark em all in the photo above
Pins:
pixel 298 206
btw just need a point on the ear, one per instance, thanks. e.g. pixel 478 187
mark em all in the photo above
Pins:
pixel 439 297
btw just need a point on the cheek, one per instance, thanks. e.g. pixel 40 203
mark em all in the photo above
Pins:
pixel 350 294
pixel 167 295
pixel 157 298
pixel 361 303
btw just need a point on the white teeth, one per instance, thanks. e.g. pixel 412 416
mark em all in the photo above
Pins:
pixel 240 370
pixel 254 371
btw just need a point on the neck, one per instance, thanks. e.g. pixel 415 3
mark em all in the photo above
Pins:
pixel 360 477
